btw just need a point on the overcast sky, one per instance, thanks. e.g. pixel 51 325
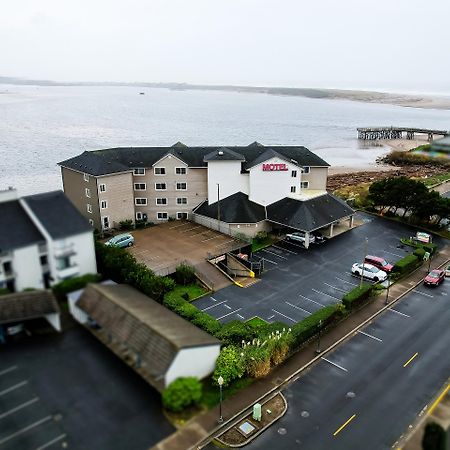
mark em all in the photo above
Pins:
pixel 402 44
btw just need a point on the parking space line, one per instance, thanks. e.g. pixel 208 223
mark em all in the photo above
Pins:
pixel 227 306
pixel 214 237
pixel 334 287
pixel 178 226
pixel 334 364
pixel 268 260
pixel 393 254
pixel 271 317
pixel 53 441
pixel 369 335
pixel 284 249
pixel 190 229
pixel 298 307
pixel 313 301
pixel 422 293
pixel 345 281
pixel 24 430
pixel 229 314
pixel 272 253
pixel 9 369
pixel 213 306
pixel 213 299
pixel 281 314
pixel 398 312
pixel 13 388
pixel 294 244
pixel 19 407
pixel 240 317
pixel 324 293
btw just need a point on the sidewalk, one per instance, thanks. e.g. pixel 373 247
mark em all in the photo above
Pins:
pixel 196 433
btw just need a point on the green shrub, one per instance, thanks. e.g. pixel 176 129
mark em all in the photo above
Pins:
pixel 139 224
pixel 419 252
pixel 207 323
pixel 185 274
pixel 356 296
pixel 430 248
pixel 406 264
pixel 434 437
pixel 230 364
pixel 261 236
pixel 234 332
pixel 185 296
pixel 126 225
pixel 257 361
pixel 181 393
pixel 73 284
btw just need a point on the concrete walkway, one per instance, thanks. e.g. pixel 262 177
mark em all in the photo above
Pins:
pixel 196 433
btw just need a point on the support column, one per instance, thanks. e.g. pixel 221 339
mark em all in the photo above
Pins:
pixel 350 222
pixel 331 230
pixel 307 239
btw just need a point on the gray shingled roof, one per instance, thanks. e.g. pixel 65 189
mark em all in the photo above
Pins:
pixel 57 214
pixel 112 160
pixel 143 325
pixel 236 208
pixel 224 154
pixel 27 305
pixel 308 215
pixel 16 228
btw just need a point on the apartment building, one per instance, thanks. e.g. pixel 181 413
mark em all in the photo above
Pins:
pixel 43 240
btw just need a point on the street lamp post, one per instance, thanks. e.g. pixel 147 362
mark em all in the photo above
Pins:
pixel 220 382
pixel 387 290
pixel 318 350
pixel 218 206
pixel 364 258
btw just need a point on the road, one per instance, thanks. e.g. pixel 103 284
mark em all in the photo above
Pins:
pixel 366 392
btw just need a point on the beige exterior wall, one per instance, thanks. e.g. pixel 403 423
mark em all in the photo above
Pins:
pixel 317 178
pixel 74 186
pixel 250 229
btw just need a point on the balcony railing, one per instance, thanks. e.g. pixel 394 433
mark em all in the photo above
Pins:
pixel 62 251
pixel 68 272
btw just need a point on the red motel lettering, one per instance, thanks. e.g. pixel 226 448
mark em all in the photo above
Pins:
pixel 274 167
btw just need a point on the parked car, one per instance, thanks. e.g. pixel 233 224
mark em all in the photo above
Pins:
pixel 371 272
pixel 447 271
pixel 381 263
pixel 299 236
pixel 434 278
pixel 121 240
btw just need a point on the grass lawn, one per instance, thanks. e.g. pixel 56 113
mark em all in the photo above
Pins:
pixel 431 181
pixel 258 245
pixel 192 290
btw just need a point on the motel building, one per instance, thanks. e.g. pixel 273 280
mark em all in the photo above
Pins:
pixel 239 190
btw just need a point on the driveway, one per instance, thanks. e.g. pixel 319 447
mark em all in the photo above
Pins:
pixel 298 282
pixel 68 391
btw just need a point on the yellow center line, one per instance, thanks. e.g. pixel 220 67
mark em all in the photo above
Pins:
pixel 410 359
pixel 343 426
pixel 438 400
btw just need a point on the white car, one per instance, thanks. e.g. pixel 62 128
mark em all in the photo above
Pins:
pixel 299 236
pixel 371 272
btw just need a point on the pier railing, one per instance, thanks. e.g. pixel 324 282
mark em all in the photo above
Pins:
pixel 376 133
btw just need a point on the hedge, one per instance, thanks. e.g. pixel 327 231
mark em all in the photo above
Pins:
pixel 181 393
pixel 356 296
pixel 73 284
pixel 406 264
pixel 430 248
pixel 419 252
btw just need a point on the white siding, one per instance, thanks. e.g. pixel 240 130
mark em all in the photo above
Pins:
pixel 27 268
pixel 193 362
pixel 228 175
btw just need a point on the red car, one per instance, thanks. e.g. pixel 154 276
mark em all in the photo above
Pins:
pixel 381 263
pixel 434 278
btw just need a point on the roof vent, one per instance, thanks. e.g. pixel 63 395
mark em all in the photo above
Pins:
pixel 220 153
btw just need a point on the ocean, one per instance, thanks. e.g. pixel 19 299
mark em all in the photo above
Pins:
pixel 40 125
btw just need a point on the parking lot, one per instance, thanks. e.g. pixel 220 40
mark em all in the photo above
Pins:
pixel 68 391
pixel 298 282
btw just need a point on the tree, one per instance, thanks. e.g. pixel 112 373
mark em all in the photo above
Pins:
pixel 181 393
pixel 185 274
pixel 434 437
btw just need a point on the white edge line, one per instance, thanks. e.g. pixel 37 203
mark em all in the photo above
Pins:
pixel 369 335
pixel 334 364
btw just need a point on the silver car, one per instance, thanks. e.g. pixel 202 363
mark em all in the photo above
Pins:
pixel 121 240
pixel 370 272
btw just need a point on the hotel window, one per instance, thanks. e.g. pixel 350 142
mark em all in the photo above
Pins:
pixel 87 192
pixel 182 215
pixel 160 170
pixel 89 208
pixel 140 186
pixel 103 204
pixel 181 186
pixel 180 170
pixel 138 216
pixel 305 169
pixel 102 187
pixel 293 189
pixel 139 172
pixel 182 201
pixel 140 201
pixel 304 185
pixel 161 201
pixel 86 177
pixel 105 222
pixel 160 186
pixel 294 174
pixel 162 216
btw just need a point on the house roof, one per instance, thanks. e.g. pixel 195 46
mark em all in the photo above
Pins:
pixel 16 228
pixel 308 215
pixel 143 325
pixel 112 160
pixel 57 214
pixel 27 305
pixel 224 154
pixel 236 208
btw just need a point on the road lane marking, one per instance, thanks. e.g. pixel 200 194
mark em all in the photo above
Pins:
pixel 274 254
pixel 213 306
pixel 19 407
pixel 284 249
pixel 306 298
pixel 334 364
pixel 423 293
pixel 24 430
pixel 398 312
pixel 229 314
pixel 13 388
pixel 9 369
pixel 334 287
pixel 345 281
pixel 369 335
pixel 410 359
pixel 343 426
pixel 324 293
pixel 438 400
pixel 298 307
pixel 281 314
pixel 53 441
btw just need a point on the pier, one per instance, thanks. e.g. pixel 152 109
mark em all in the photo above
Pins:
pixel 372 134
